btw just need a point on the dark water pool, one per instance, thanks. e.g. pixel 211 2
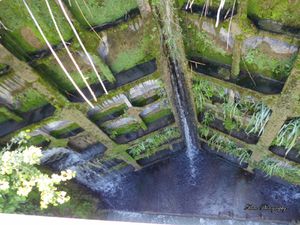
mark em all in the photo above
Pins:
pixel 219 189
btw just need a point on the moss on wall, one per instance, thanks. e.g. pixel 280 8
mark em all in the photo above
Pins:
pixel 37 140
pixel 3 118
pixel 284 11
pixel 103 113
pixel 199 43
pixel 124 129
pixel 91 42
pixel 99 12
pixel 29 100
pixel 22 37
pixel 2 67
pixel 54 72
pixel 152 117
pixel 276 67
pixel 64 130
pixel 129 47
pixel 6 114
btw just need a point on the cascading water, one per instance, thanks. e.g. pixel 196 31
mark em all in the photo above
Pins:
pixel 170 32
pixel 185 115
pixel 95 174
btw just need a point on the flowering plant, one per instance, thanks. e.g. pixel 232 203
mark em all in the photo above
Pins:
pixel 19 176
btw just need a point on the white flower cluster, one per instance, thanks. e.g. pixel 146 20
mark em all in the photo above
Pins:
pixel 32 155
pixel 4 185
pixel 49 193
pixel 18 176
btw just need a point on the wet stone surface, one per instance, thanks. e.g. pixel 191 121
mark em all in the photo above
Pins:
pixel 239 134
pixel 158 124
pixel 122 78
pixel 275 26
pixel 211 13
pixel 29 118
pixel 219 189
pixel 254 82
pixel 293 154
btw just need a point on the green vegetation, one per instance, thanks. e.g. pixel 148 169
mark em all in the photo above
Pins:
pixel 203 92
pixel 221 143
pixel 104 70
pixel 259 119
pixel 29 100
pixel 204 130
pixel 64 130
pixel 99 12
pixel 164 11
pixel 91 43
pixel 152 117
pixel 120 109
pixel 124 129
pixel 273 167
pixel 142 100
pixel 198 43
pixel 2 67
pixel 19 176
pixel 284 11
pixel 81 205
pixel 259 62
pixel 149 145
pixel 129 48
pixel 3 118
pixel 54 73
pixel 131 57
pixel 234 110
pixel 22 37
pixel 37 140
pixel 6 114
pixel 233 119
pixel 288 135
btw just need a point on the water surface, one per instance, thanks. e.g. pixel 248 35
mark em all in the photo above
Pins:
pixel 218 188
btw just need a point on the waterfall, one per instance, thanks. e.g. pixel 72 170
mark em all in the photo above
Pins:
pixel 185 114
pixel 171 35
pixel 91 170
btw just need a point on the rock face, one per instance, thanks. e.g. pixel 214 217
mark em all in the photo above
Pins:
pixel 92 169
pixel 55 125
pixel 143 88
pixel 119 122
pixel 277 46
pixel 221 35
pixel 103 49
pixel 136 25
pixel 277 27
pixel 209 28
pixel 8 87
pixel 60 158
pixel 224 37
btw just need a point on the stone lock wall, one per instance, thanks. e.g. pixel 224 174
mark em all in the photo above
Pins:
pixel 228 69
pixel 257 62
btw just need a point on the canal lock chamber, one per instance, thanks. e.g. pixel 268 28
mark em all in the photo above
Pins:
pixel 197 115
